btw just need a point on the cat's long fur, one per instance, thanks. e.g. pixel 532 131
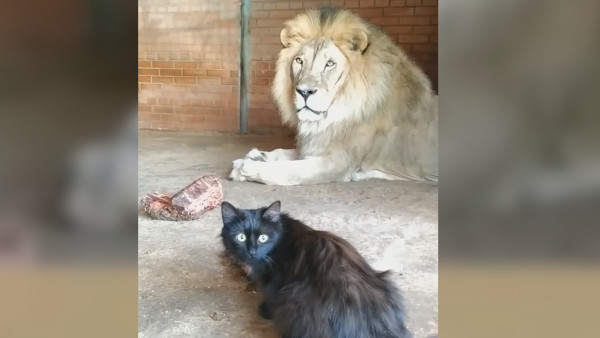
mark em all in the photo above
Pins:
pixel 315 284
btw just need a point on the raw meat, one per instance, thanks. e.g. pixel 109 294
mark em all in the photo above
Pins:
pixel 202 195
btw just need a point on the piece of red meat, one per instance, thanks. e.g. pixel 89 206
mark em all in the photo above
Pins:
pixel 202 195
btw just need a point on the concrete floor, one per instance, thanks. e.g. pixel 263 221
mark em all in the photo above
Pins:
pixel 186 288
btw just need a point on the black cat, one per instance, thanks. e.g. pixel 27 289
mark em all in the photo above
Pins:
pixel 315 284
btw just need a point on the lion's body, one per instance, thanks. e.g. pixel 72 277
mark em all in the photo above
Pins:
pixel 380 122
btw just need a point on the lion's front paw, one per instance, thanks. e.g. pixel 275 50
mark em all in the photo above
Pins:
pixel 236 174
pixel 249 169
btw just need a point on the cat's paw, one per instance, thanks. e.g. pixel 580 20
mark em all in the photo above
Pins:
pixel 236 174
pixel 264 311
pixel 256 155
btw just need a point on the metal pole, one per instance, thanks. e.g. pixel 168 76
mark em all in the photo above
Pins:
pixel 244 64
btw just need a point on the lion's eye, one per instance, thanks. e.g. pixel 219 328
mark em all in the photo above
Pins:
pixel 330 63
pixel 241 237
pixel 298 60
pixel 263 238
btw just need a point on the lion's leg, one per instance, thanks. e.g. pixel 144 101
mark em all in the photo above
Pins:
pixel 373 174
pixel 306 171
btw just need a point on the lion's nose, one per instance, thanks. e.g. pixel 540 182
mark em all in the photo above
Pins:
pixel 305 91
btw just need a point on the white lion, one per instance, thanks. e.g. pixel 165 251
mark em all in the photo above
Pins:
pixel 360 107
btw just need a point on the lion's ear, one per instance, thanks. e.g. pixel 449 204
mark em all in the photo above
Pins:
pixel 289 38
pixel 359 41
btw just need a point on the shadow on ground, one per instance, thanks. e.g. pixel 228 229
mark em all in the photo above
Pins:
pixel 186 287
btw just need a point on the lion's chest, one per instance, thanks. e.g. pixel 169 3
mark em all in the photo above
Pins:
pixel 353 143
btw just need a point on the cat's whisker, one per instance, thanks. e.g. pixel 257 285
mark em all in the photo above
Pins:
pixel 268 260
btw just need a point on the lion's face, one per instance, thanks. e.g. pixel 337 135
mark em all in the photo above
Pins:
pixel 318 73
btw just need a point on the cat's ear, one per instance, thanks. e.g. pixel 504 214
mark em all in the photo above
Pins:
pixel 273 212
pixel 229 212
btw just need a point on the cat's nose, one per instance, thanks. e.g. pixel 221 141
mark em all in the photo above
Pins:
pixel 252 252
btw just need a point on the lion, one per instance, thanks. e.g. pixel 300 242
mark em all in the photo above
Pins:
pixel 361 109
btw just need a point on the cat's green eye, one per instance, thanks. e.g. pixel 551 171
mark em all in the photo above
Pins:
pixel 263 238
pixel 241 237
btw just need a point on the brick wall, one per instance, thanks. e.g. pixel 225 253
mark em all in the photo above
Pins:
pixel 188 64
pixel 202 36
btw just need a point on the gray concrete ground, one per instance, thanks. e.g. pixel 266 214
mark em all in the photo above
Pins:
pixel 186 288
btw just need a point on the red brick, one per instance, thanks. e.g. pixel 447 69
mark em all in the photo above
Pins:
pixel 162 109
pixel 434 20
pixel 162 79
pixel 215 89
pixel 209 80
pixel 369 12
pixel 260 81
pixel 412 38
pixel 164 56
pixel 234 73
pixel 265 72
pixel 162 64
pixel 194 72
pixel 269 23
pixel 210 111
pixel 170 72
pixel 283 5
pixel 144 64
pixel 144 78
pixel 425 48
pixel 367 3
pixel 229 81
pixel 407 47
pixel 148 86
pixel 144 108
pixel 398 29
pixel 426 29
pixel 185 65
pixel 260 65
pixel 384 21
pixel 283 14
pixel 413 20
pixel 295 4
pixel 259 14
pixel 351 4
pixel 430 2
pixel 209 65
pixel 177 87
pixel 413 2
pixel 398 11
pixel 201 102
pixel 147 71
pixel 185 79
pixel 256 88
pixel 382 3
pixel 426 11
pixel 397 3
pixel 231 65
pixel 171 117
pixel 187 119
pixel 217 73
